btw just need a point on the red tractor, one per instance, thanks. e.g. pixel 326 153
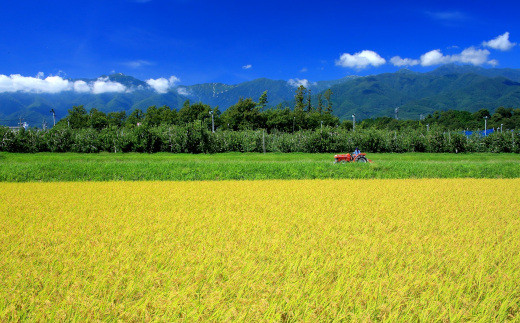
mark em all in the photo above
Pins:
pixel 348 158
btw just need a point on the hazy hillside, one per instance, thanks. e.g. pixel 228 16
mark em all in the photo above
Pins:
pixel 448 87
pixel 417 93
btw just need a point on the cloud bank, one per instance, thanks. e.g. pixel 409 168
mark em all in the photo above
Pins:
pixel 19 83
pixel 470 55
pixel 246 67
pixel 56 84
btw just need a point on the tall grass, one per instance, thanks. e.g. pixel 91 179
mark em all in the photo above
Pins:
pixel 310 251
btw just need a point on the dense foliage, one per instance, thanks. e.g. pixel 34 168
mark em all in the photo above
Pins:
pixel 248 126
pixel 502 118
pixel 247 114
pixel 194 137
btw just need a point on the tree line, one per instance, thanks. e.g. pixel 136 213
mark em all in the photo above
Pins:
pixel 248 126
pixel 247 114
pixel 196 138
pixel 502 119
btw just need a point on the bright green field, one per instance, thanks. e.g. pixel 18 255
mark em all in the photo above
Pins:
pixel 242 166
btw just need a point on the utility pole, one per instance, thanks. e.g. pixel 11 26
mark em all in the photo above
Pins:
pixel 501 129
pixel 20 124
pixel 396 111
pixel 428 127
pixel 53 116
pixel 353 122
pixel 212 122
pixel 263 140
pixel 485 126
pixel 322 125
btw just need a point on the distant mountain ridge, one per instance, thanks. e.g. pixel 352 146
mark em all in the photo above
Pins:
pixel 448 87
pixel 459 87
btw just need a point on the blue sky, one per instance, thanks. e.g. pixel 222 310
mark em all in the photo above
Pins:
pixel 234 41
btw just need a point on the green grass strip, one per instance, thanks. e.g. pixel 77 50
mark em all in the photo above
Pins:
pixel 50 167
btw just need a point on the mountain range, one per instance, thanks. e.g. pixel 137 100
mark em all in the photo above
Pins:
pixel 459 87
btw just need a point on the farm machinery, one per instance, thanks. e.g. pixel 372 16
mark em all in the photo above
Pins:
pixel 348 158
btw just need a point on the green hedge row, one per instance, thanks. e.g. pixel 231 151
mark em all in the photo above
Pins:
pixel 195 139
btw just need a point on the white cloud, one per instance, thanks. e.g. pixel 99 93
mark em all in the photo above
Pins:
pixel 449 16
pixel 303 70
pixel 56 84
pixel 297 82
pixel 434 57
pixel 398 61
pixel 360 60
pixel 183 91
pixel 81 87
pixel 501 42
pixel 103 85
pixel 248 66
pixel 470 55
pixel 137 63
pixel 19 83
pixel 161 85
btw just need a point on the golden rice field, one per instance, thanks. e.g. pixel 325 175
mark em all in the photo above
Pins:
pixel 307 250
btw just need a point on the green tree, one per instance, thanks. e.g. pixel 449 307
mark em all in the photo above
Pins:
pixel 299 98
pixel 192 112
pixel 152 116
pixel 327 95
pixel 135 118
pixel 245 114
pixel 168 116
pixel 78 117
pixel 309 104
pixel 116 119
pixel 480 114
pixel 262 101
pixel 320 103
pixel 97 119
pixel 279 118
